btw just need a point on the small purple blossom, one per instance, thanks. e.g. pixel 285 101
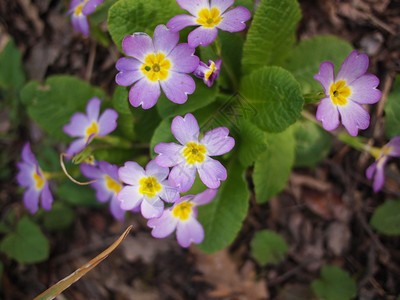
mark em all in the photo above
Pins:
pixel 158 63
pixel 210 17
pixel 107 185
pixel 193 154
pixel 145 188
pixel 31 177
pixel 79 10
pixel 87 127
pixel 182 217
pixel 376 171
pixel 208 72
pixel 346 93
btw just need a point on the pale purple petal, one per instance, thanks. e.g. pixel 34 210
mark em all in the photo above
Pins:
pixel 24 176
pixel 164 225
pixel 328 114
pixel 193 6
pixel 107 122
pixel 93 109
pixel 326 75
pixel 116 210
pixel 179 22
pixel 46 197
pixel 183 59
pixel 394 145
pixel 80 23
pixel 153 169
pixel 371 170
pixel 364 91
pixel 90 6
pixel 129 71
pixel 177 87
pixel 109 169
pixel 201 70
pixel 152 208
pixel 130 197
pixel 217 141
pixel 27 155
pixel 377 171
pixel 164 39
pixel 189 231
pixel 233 20
pixel 76 146
pixel 138 45
pixel 144 93
pixel 91 172
pixel 354 117
pixel 168 194
pixel 75 3
pixel 353 67
pixel 185 129
pixel 31 199
pixel 222 5
pixel 182 176
pixel 204 197
pixel 103 194
pixel 131 173
pixel 77 126
pixel 169 154
pixel 211 172
pixel 202 36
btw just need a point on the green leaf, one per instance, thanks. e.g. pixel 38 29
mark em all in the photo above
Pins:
pixel 162 135
pixel 11 74
pixel 52 104
pixel 129 16
pixel 272 168
pixel 27 244
pixel 272 34
pixel 101 12
pixel 202 96
pixel 223 217
pixel 59 217
pixel 392 110
pixel 78 195
pixel 146 122
pixel 312 143
pixel 386 218
pixel 251 144
pixel 125 119
pixel 1 272
pixel 268 247
pixel 334 284
pixel 305 59
pixel 275 95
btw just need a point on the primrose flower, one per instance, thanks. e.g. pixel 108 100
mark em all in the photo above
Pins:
pixel 107 185
pixel 346 93
pixel 377 169
pixel 146 188
pixel 193 155
pixel 208 72
pixel 88 126
pixel 182 217
pixel 209 17
pixel 79 10
pixel 154 64
pixel 30 176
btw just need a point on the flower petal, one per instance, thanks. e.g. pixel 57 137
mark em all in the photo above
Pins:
pixel 193 6
pixel 222 5
pixel 211 172
pixel 116 210
pixel 182 176
pixel 165 39
pixel 93 109
pixel 31 200
pixel 177 87
pixel 77 126
pixel 204 197
pixel 377 172
pixel 217 141
pixel 138 45
pixel 164 225
pixel 183 59
pixel 109 169
pixel 152 209
pixel 169 154
pixel 103 194
pixel 129 71
pixel 394 145
pixel 189 232
pixel 130 197
pixel 90 6
pixel 353 67
pixel 144 93
pixel 80 23
pixel 353 116
pixel 46 197
pixel 131 173
pixel 24 176
pixel 328 114
pixel 233 20
pixel 91 171
pixel 76 146
pixel 326 75
pixel 185 129
pixel 153 169
pixel 179 22
pixel 168 193
pixel 364 91
pixel 27 155
pixel 107 122
pixel 202 36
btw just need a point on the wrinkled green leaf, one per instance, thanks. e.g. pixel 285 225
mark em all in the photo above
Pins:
pixel 251 144
pixel 272 167
pixel 11 73
pixel 272 34
pixel 59 217
pixel 268 247
pixel 386 218
pixel 27 244
pixel 334 284
pixel 276 97
pixel 392 110
pixel 125 120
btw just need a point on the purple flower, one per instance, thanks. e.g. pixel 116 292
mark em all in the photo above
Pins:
pixel 193 155
pixel 146 189
pixel 209 17
pixel 30 176
pixel 155 63
pixel 79 10
pixel 88 126
pixel 377 169
pixel 346 93
pixel 107 185
pixel 182 217
pixel 208 72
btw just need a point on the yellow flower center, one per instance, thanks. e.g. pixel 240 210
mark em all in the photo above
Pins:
pixel 39 180
pixel 209 73
pixel 78 9
pixel 183 210
pixel 209 18
pixel 156 67
pixel 149 186
pixel 194 153
pixel 339 92
pixel 112 184
pixel 92 129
